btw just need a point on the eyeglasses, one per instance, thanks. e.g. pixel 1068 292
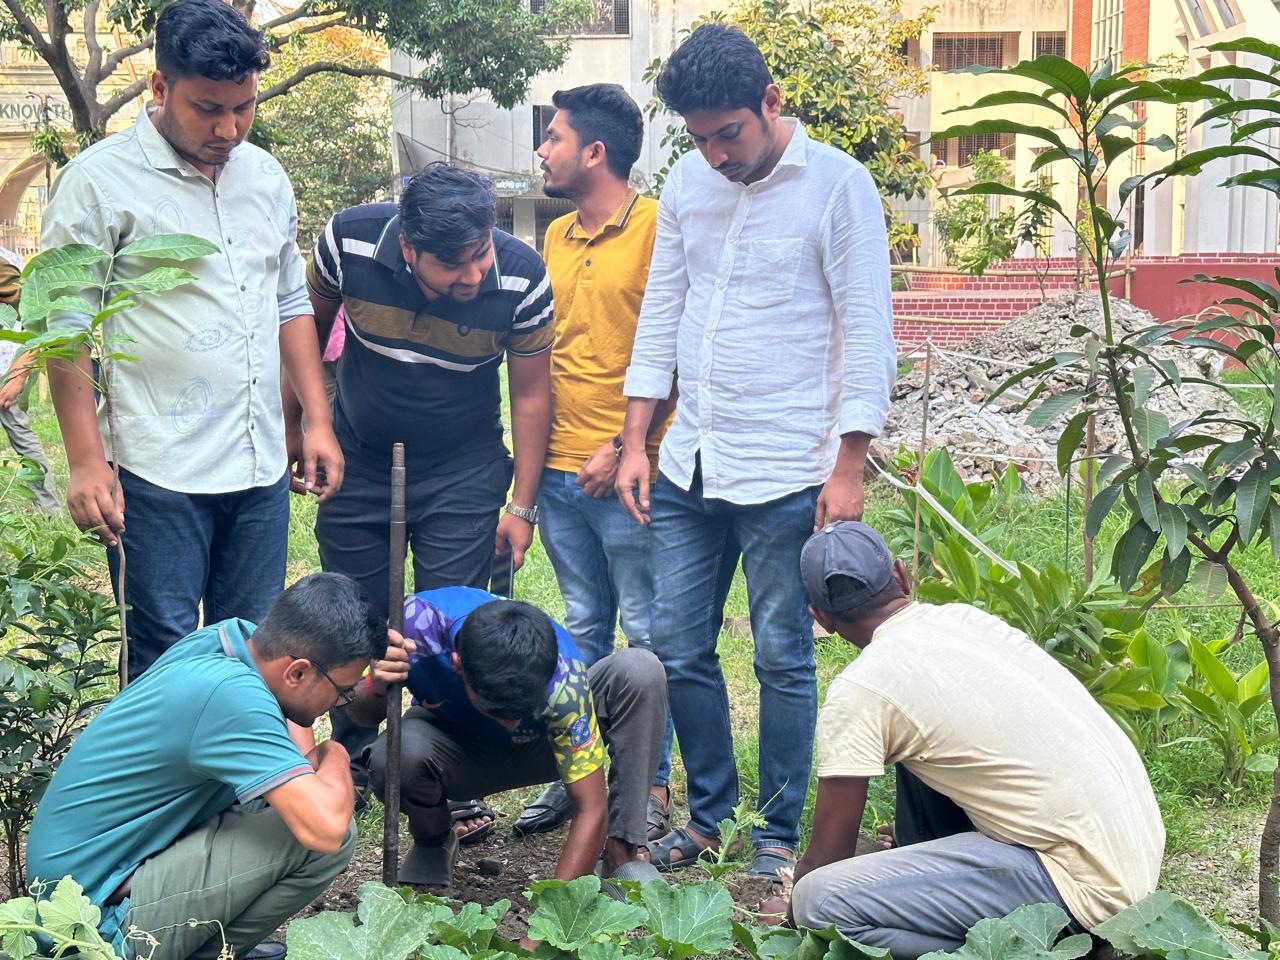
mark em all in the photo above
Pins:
pixel 346 695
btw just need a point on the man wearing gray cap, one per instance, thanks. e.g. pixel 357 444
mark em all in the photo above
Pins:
pixel 1014 786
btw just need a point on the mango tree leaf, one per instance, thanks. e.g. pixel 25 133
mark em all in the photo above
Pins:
pixel 575 914
pixel 169 246
pixel 688 919
pixel 1103 501
pixel 980 127
pixel 157 281
pixel 1253 493
pixel 1145 492
pixel 990 188
pixel 1053 407
pixel 1149 426
pixel 1072 437
pixel 1173 524
pixel 1131 553
pixel 1005 98
pixel 326 936
pixel 72 254
pixel 1026 934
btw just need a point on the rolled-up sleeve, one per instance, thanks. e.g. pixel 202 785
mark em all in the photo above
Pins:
pixel 78 212
pixel 653 355
pixel 855 261
pixel 291 287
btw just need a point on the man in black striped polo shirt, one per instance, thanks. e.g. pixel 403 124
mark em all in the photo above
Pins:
pixel 433 297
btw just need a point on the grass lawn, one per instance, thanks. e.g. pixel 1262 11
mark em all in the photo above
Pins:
pixel 1212 833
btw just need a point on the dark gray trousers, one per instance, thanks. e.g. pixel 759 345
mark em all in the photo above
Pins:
pixel 436 765
pixel 26 444
pixel 926 893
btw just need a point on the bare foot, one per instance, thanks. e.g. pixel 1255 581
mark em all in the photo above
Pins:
pixel 462 828
pixel 885 838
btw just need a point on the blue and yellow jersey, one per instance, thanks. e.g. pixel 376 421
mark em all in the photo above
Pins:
pixel 432 619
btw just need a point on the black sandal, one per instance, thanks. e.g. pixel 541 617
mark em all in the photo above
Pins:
pixel 677 840
pixel 657 818
pixel 462 810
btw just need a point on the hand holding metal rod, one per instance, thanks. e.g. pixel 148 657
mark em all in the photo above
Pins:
pixel 395 620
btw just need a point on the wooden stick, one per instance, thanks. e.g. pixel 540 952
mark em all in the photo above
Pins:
pixel 924 443
pixel 1089 443
pixel 395 620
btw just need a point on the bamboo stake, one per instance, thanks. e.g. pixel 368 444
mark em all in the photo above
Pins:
pixel 1088 497
pixel 924 436
pixel 395 620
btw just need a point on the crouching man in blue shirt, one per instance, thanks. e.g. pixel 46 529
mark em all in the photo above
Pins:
pixel 199 792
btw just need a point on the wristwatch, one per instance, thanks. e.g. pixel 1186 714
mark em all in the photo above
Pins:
pixel 527 514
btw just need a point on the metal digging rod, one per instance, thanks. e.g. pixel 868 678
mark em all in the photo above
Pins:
pixel 395 620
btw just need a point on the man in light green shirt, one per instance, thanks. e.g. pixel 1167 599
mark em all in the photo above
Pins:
pixel 202 448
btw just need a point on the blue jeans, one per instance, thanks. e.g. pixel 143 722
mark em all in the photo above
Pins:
pixel 225 550
pixel 696 544
pixel 603 563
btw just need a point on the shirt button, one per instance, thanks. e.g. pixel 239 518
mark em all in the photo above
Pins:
pixel 243 288
pixel 251 426
pixel 588 263
pixel 720 285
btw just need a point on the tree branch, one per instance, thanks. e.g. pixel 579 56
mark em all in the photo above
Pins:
pixel 299 14
pixel 91 39
pixel 122 97
pixel 326 66
pixel 117 57
pixel 325 25
pixel 29 27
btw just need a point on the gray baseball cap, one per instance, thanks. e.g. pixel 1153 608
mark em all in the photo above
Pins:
pixel 851 549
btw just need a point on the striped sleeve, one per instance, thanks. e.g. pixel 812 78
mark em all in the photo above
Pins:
pixel 533 329
pixel 324 273
pixel 9 286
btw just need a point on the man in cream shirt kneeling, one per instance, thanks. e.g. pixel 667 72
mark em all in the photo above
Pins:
pixel 1013 785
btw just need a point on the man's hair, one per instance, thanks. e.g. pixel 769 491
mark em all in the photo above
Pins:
pixel 325 618
pixel 445 209
pixel 508 651
pixel 844 590
pixel 604 112
pixel 716 68
pixel 207 38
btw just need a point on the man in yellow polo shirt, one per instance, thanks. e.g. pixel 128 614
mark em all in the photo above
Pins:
pixel 598 261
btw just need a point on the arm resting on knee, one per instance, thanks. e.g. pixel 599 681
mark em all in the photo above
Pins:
pixel 317 809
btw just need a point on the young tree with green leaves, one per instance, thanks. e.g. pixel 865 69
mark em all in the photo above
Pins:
pixel 1205 489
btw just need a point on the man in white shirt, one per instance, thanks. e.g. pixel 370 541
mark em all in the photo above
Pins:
pixel 201 431
pixel 769 292
pixel 1014 786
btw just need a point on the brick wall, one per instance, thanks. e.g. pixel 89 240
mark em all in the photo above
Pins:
pixel 911 334
pixel 1081 33
pixel 1134 27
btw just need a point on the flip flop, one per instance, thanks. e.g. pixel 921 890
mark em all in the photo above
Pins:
pixel 660 850
pixel 430 865
pixel 768 863
pixel 551 808
pixel 657 818
pixel 463 810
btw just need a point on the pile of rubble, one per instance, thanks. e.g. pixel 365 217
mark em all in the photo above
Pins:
pixel 981 437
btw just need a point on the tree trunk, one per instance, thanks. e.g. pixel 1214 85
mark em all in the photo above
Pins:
pixel 1269 845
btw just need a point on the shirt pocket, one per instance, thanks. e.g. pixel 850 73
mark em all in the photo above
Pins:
pixel 769 272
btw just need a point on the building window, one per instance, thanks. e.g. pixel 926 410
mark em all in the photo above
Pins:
pixel 959 150
pixel 1108 18
pixel 955 51
pixel 608 17
pixel 1053 43
pixel 544 211
pixel 542 115
pixel 506 221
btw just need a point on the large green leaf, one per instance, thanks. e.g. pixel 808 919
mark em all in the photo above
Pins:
pixel 327 936
pixel 1070 440
pixel 1262 48
pixel 1232 72
pixel 394 926
pixel 157 281
pixel 1180 932
pixel 1054 407
pixel 1118 931
pixel 20 912
pixel 1005 98
pixel 688 919
pixel 827 944
pixel 1213 670
pixel 169 246
pixel 1131 553
pixel 1173 524
pixel 991 188
pixel 983 127
pixel 68 912
pixel 1233 107
pixel 571 915
pixel 1029 933
pixel 1252 495
pixel 1192 163
pixel 1145 492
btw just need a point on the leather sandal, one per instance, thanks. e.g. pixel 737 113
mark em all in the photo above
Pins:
pixel 677 840
pixel 768 863
pixel 657 818
pixel 551 808
pixel 461 811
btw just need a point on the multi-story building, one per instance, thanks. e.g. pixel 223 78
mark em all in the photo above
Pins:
pixel 30 98
pixel 1192 214
pixel 614 46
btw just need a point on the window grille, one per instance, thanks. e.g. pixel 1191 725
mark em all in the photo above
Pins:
pixel 1053 43
pixel 542 115
pixel 607 17
pixel 954 51
pixel 544 211
pixel 960 150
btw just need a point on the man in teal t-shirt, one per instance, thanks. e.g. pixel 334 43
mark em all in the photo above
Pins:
pixel 199 792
